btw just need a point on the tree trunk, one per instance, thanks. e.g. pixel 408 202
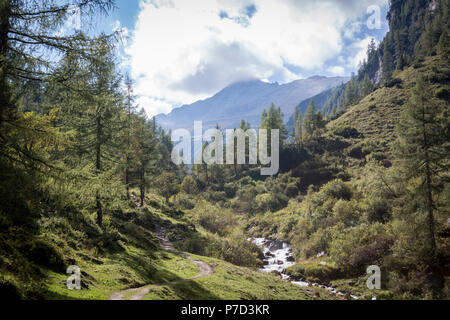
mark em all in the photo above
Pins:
pixel 429 195
pixel 430 217
pixel 127 171
pixel 98 166
pixel 127 181
pixel 5 13
pixel 142 187
pixel 99 210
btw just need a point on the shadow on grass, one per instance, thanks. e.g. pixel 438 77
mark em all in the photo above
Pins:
pixel 184 290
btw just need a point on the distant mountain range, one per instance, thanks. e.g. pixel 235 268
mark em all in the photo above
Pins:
pixel 320 101
pixel 246 100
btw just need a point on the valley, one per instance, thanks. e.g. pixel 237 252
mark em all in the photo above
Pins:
pixel 92 193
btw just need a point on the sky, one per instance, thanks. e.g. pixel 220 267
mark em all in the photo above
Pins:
pixel 181 51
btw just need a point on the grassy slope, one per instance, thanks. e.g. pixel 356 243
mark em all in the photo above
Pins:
pixel 138 262
pixel 375 117
pixel 377 114
pixel 232 283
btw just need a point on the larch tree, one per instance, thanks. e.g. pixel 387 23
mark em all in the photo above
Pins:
pixel 94 111
pixel 130 110
pixel 31 44
pixel 423 149
pixel 144 147
pixel 273 119
pixel 298 125
pixel 308 120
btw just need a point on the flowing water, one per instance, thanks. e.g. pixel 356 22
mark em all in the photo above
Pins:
pixel 278 257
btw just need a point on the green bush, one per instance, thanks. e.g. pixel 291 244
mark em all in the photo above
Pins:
pixel 360 247
pixel 271 202
pixel 184 202
pixel 318 242
pixel 287 226
pixel 356 152
pixel 378 156
pixel 215 196
pixel 230 190
pixel 346 212
pixel 45 254
pixel 189 185
pixel 313 272
pixel 346 132
pixel 215 219
pixel 194 244
pixel 291 190
pixel 377 210
pixel 234 249
pixel 443 93
pixel 336 189
pixel 246 181
pixel 393 82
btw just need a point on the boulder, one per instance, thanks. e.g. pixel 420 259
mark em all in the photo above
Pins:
pixel 261 256
pixel 275 245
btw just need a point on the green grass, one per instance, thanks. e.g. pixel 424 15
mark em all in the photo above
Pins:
pixel 133 269
pixel 130 269
pixel 358 287
pixel 135 260
pixel 232 283
pixel 377 114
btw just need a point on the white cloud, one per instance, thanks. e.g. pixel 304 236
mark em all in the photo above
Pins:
pixel 154 105
pixel 360 49
pixel 337 70
pixel 182 51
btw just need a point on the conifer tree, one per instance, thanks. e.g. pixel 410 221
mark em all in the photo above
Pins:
pixel 388 62
pixel 93 109
pixel 298 125
pixel 423 149
pixel 308 120
pixel 29 43
pixel 130 110
pixel 144 148
pixel 350 96
pixel 366 86
pixel 273 119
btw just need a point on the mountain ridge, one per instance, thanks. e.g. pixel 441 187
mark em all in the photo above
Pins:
pixel 246 100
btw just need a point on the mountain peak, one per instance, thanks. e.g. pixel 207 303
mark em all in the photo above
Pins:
pixel 245 100
pixel 317 77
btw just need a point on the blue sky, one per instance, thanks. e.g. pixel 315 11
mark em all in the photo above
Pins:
pixel 126 12
pixel 180 51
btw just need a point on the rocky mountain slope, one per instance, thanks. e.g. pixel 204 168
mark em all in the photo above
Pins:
pixel 246 100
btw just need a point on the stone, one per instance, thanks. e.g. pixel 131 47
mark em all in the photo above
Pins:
pixel 275 245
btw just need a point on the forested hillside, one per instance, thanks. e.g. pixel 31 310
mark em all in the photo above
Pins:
pixel 87 179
